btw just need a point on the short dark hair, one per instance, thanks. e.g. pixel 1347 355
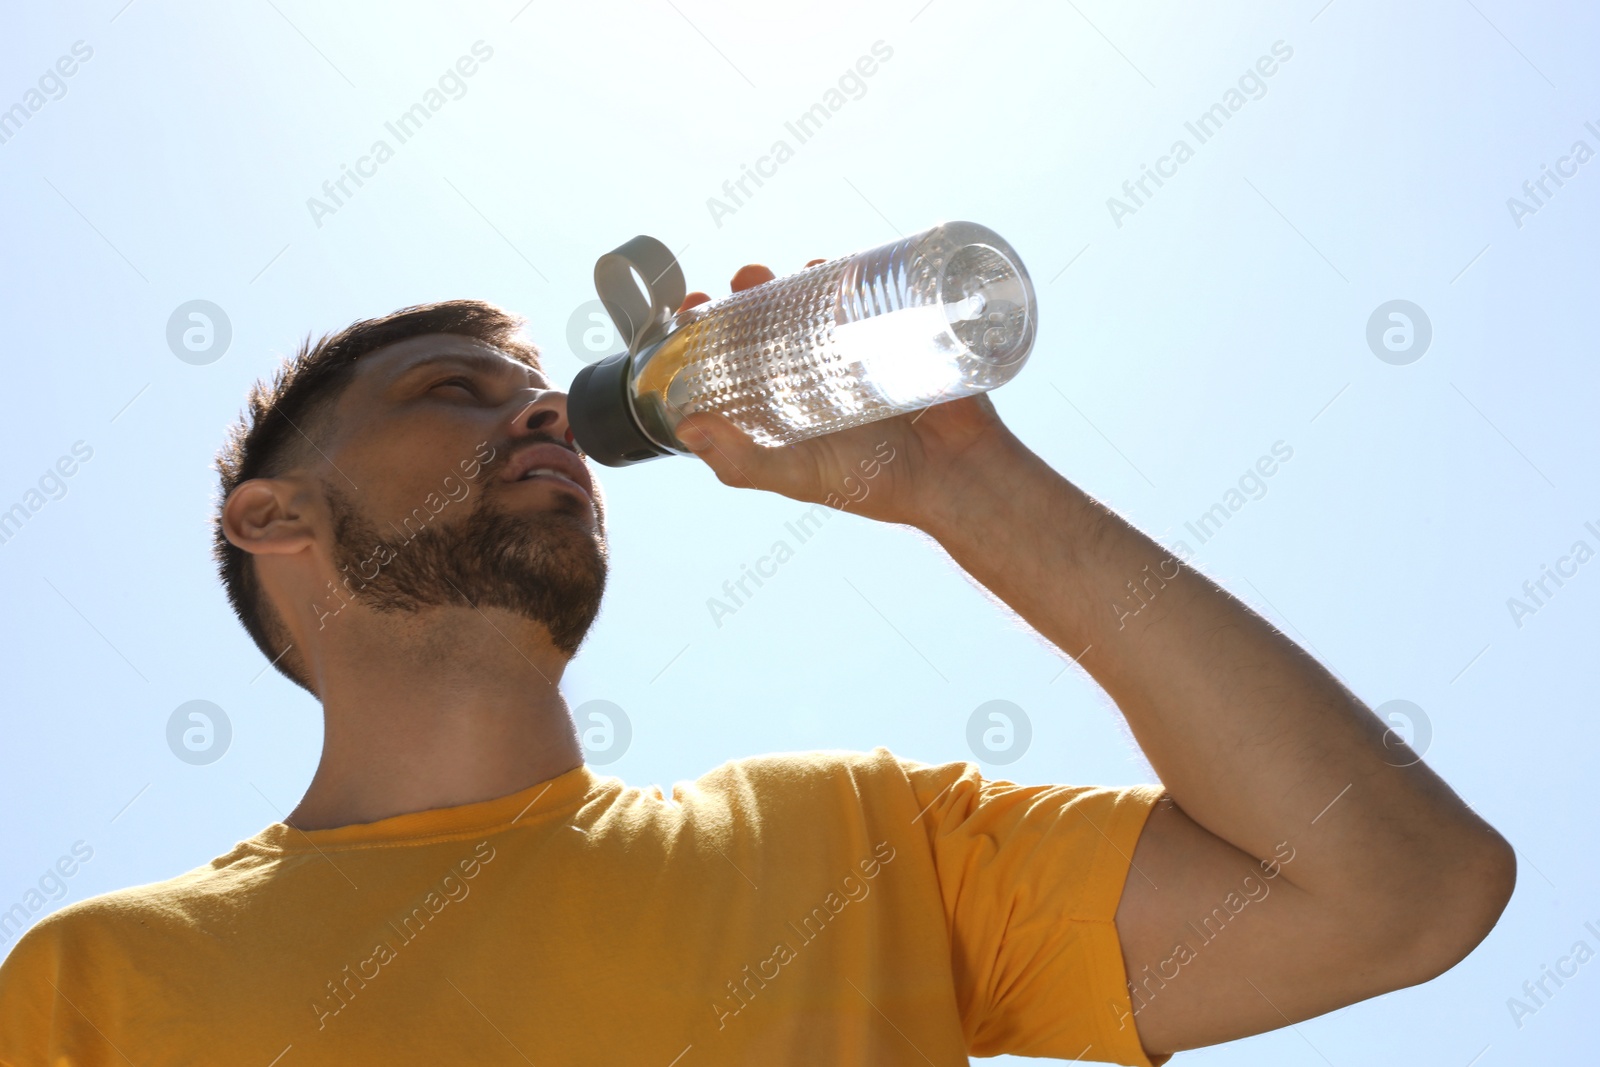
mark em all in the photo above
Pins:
pixel 283 415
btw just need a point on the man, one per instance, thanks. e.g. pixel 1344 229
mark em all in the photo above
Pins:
pixel 408 532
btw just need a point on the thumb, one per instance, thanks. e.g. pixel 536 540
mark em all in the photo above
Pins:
pixel 733 457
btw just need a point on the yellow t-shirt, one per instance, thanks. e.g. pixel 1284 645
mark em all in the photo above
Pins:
pixel 821 908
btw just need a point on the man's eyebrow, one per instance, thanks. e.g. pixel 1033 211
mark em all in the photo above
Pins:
pixel 477 361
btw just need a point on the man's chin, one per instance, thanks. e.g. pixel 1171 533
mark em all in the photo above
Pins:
pixel 557 529
pixel 529 505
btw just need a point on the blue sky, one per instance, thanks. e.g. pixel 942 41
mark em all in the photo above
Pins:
pixel 1227 312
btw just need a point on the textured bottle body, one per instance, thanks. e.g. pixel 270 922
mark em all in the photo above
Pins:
pixel 942 314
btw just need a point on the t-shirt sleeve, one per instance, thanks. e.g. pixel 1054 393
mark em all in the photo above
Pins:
pixel 1030 878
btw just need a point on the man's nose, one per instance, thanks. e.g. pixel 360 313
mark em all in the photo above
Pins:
pixel 544 416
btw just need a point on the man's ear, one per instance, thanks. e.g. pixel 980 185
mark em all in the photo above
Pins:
pixel 269 516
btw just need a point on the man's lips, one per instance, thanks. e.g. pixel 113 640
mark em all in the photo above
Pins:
pixel 555 463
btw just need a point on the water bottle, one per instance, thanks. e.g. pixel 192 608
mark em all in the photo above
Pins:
pixel 939 315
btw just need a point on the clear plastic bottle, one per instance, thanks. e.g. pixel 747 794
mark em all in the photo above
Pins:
pixel 941 314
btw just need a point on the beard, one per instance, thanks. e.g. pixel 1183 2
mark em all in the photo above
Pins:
pixel 548 567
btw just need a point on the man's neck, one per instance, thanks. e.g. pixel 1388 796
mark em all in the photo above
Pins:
pixel 434 710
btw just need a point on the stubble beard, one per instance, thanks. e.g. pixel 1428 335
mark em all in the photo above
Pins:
pixel 547 566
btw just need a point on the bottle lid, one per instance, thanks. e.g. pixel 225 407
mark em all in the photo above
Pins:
pixel 599 409
pixel 601 419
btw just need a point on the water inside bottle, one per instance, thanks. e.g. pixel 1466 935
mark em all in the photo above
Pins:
pixel 843 343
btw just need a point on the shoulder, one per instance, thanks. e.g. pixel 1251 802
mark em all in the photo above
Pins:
pixel 818 781
pixel 809 772
pixel 92 952
pixel 945 801
pixel 122 919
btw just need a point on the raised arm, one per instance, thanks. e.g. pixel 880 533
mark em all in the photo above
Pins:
pixel 1307 860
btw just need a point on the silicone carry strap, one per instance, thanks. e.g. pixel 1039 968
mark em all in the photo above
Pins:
pixel 638 322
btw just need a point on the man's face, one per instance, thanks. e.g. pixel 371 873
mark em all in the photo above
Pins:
pixel 452 479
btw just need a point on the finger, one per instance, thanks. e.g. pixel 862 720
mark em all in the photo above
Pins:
pixel 814 262
pixel 696 297
pixel 733 457
pixel 749 276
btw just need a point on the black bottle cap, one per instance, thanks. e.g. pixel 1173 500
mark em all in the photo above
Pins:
pixel 601 418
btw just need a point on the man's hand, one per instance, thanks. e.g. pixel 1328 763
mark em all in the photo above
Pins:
pixel 897 469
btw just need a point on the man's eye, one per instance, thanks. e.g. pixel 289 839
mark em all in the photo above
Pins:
pixel 458 383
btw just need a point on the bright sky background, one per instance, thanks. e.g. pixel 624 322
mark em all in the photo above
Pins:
pixel 1228 313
